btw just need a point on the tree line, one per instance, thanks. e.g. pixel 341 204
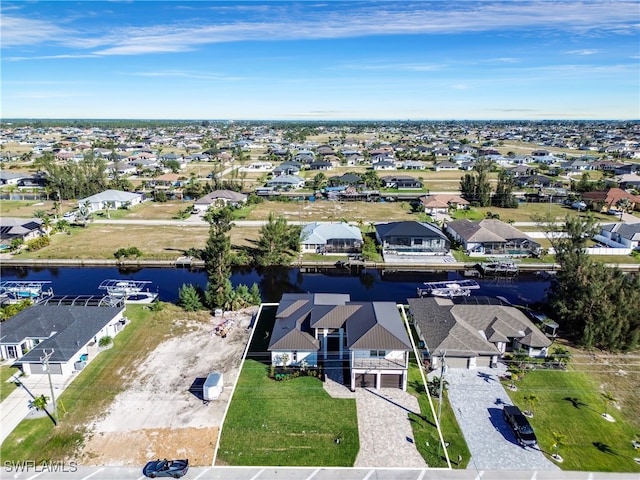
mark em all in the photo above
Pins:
pixel 476 188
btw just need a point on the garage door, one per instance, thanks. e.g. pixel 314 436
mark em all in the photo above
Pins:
pixel 37 368
pixel 391 381
pixel 457 362
pixel 483 361
pixel 365 380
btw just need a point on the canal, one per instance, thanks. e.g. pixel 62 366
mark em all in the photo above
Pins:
pixel 368 285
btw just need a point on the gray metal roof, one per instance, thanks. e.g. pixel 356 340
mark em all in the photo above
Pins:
pixel 65 328
pixel 377 326
pixel 318 233
pixel 409 228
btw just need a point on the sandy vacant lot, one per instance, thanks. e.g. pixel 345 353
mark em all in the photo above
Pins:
pixel 161 414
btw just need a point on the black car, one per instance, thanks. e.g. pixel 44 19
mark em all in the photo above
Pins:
pixel 520 426
pixel 166 468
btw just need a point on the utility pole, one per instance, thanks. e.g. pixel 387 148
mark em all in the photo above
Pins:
pixel 441 384
pixel 45 367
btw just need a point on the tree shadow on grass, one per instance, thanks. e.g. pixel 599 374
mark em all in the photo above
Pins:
pixel 604 448
pixel 575 401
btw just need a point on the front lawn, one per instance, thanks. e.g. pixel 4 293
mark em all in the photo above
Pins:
pixel 424 427
pixel 6 387
pixel 571 403
pixel 293 422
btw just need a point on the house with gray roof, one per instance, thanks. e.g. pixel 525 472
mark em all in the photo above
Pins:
pixel 113 198
pixel 26 229
pixel 491 237
pixel 474 331
pixel 219 198
pixel 412 238
pixel 286 182
pixel 620 235
pixel 72 332
pixel 331 238
pixel 312 329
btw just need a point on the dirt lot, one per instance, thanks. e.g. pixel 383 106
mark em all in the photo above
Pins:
pixel 161 414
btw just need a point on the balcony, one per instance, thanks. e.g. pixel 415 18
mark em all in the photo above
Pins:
pixel 373 363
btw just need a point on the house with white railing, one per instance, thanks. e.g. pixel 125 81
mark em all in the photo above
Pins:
pixel 369 338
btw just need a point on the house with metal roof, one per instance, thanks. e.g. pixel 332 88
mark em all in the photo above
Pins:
pixel 113 198
pixel 473 331
pixel 412 238
pixel 286 182
pixel 491 237
pixel 71 332
pixel 369 337
pixel 331 238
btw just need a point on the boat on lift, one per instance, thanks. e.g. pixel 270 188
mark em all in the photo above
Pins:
pixel 448 289
pixel 499 268
pixel 16 291
pixel 131 291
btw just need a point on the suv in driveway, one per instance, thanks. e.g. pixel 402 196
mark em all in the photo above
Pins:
pixel 520 426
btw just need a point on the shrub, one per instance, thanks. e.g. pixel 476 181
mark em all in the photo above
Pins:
pixel 105 341
pixel 190 298
pixel 38 243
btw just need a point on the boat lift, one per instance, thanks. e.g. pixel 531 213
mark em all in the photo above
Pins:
pixel 451 288
pixel 14 291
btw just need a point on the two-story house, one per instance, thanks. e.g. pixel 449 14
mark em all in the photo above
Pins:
pixel 370 337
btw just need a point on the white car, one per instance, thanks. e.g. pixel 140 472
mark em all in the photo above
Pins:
pixel 69 215
pixel 579 206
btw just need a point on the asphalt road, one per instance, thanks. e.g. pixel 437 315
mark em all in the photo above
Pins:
pixel 70 472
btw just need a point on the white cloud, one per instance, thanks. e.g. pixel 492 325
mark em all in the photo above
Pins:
pixel 584 51
pixel 303 21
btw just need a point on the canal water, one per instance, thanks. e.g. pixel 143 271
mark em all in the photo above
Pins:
pixel 369 285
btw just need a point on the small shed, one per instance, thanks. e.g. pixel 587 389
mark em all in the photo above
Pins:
pixel 213 386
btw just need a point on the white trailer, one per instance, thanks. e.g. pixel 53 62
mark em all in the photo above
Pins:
pixel 213 386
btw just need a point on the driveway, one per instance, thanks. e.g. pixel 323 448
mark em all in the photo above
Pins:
pixel 477 398
pixel 386 438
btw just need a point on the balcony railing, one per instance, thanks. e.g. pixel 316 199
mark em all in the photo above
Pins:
pixel 373 363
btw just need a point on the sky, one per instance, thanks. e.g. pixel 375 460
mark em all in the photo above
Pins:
pixel 321 60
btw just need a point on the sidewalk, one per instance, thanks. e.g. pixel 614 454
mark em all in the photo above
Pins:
pixel 16 406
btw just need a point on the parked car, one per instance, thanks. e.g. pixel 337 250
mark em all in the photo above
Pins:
pixel 579 206
pixel 166 468
pixel 520 426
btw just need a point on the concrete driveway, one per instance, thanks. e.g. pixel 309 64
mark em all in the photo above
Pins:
pixel 477 398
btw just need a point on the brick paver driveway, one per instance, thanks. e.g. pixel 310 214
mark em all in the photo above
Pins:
pixel 477 398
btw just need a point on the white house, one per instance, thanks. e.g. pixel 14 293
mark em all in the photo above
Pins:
pixel 371 335
pixel 113 198
pixel 331 238
pixel 71 332
pixel 257 167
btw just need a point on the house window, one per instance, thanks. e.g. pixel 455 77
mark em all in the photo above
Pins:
pixel 11 351
pixel 294 356
pixel 377 353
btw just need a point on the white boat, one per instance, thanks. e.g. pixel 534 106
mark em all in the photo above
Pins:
pixel 131 291
pixel 499 268
pixel 16 291
pixel 449 289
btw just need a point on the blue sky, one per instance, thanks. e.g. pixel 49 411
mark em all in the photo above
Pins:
pixel 313 60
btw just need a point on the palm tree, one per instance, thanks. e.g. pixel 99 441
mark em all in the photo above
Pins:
pixel 531 400
pixel 608 400
pixel 40 403
pixel 558 439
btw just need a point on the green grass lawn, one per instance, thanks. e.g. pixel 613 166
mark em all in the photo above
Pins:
pixel 6 372
pixel 424 427
pixel 292 422
pixel 570 403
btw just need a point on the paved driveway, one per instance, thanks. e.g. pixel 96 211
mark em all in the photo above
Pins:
pixel 386 438
pixel 477 398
